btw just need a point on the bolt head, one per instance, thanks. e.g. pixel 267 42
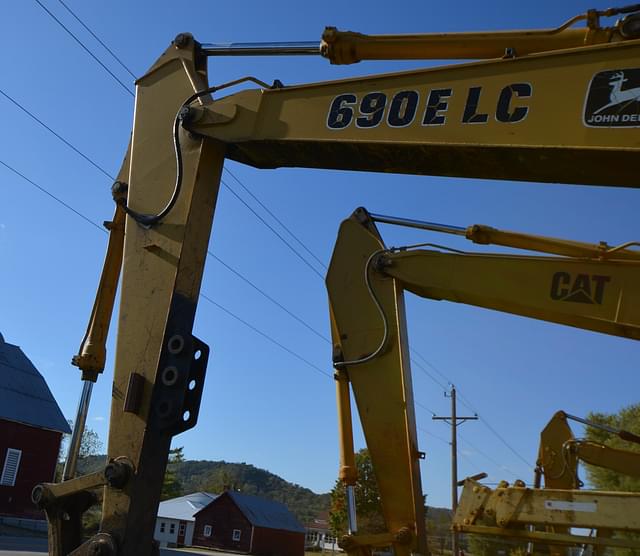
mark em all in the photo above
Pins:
pixel 36 495
pixel 101 545
pixel 117 473
pixel 182 40
pixel 98 549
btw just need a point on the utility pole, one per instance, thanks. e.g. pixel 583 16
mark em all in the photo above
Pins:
pixel 454 421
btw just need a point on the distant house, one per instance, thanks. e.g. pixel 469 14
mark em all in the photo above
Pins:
pixel 175 523
pixel 250 524
pixel 318 534
pixel 31 428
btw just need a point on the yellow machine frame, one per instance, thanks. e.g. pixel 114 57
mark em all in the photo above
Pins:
pixel 488 119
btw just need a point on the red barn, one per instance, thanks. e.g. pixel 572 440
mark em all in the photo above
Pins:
pixel 31 428
pixel 250 524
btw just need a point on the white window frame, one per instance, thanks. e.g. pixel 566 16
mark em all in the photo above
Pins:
pixel 208 531
pixel 7 479
pixel 237 533
pixel 172 528
pixel 162 526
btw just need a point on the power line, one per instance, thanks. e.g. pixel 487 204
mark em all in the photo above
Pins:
pixel 67 143
pixel 292 249
pixel 101 169
pixel 97 60
pixel 256 215
pixel 270 298
pixel 427 373
pixel 57 199
pixel 98 39
pixel 486 423
pixel 468 460
pixel 274 301
pixel 467 403
pixel 469 406
pixel 499 436
pixel 107 174
pixel 431 365
pixel 230 173
pixel 264 335
pixel 425 431
pixel 424 407
pixel 266 209
pixel 488 457
pixel 207 298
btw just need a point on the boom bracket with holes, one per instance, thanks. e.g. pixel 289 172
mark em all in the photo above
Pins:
pixel 180 378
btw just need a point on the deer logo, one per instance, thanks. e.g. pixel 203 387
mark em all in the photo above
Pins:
pixel 617 95
pixel 613 99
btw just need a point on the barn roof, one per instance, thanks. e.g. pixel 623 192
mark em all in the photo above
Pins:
pixel 185 507
pixel 265 513
pixel 24 394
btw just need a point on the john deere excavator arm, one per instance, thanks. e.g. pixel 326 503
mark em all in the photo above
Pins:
pixel 533 118
pixel 489 120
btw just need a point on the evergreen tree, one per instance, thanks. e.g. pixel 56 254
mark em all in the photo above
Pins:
pixel 171 486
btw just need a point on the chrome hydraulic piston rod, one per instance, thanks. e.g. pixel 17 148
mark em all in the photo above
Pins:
pixel 301 48
pixel 78 430
pixel 421 224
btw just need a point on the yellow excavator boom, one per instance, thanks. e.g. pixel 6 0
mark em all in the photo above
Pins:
pixel 366 281
pixel 552 116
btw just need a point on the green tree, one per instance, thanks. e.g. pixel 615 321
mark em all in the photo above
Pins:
pixel 90 445
pixel 226 478
pixel 438 523
pixel 484 545
pixel 368 507
pixel 628 419
pixel 171 486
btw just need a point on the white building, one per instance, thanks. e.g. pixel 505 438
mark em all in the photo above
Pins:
pixel 319 537
pixel 175 522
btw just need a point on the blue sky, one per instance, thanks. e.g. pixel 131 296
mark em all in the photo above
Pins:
pixel 262 405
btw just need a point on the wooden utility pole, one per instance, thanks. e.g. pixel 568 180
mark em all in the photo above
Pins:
pixel 454 421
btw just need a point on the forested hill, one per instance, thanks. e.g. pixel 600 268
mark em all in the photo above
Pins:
pixel 214 476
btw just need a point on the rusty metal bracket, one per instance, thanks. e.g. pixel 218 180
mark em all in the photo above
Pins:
pixel 509 505
pixel 550 538
pixel 472 503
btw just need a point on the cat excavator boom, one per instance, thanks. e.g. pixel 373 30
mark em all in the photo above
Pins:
pixel 578 284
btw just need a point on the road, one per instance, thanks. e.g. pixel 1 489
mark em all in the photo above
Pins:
pixel 22 546
pixel 27 546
